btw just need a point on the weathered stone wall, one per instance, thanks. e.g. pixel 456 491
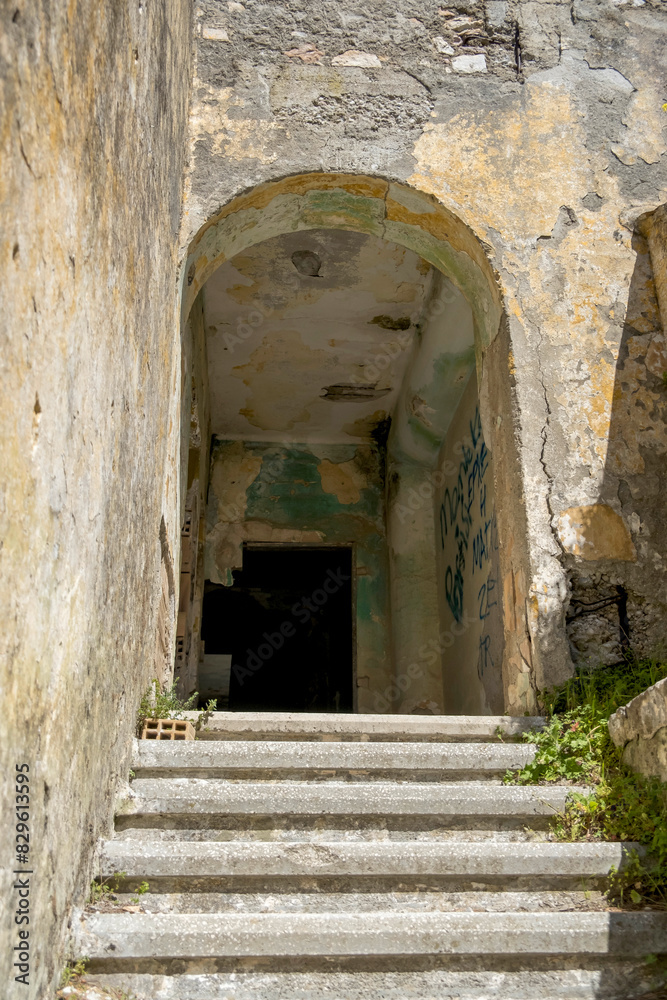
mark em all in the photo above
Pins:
pixel 310 494
pixel 640 727
pixel 540 125
pixel 94 108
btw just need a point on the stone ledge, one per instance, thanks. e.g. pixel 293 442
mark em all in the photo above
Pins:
pixel 642 717
pixel 649 757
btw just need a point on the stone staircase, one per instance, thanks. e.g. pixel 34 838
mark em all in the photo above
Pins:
pixel 354 857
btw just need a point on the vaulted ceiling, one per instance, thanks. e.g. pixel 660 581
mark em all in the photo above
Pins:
pixel 309 336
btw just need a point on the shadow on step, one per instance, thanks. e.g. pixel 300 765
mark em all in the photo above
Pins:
pixel 611 967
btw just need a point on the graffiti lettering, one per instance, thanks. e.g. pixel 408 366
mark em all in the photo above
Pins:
pixel 455 514
pixel 484 658
pixel 484 544
pixel 485 598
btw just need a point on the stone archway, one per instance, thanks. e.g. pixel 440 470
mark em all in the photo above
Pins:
pixel 412 219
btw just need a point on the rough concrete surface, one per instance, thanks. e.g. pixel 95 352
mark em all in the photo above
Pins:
pixel 640 727
pixel 158 860
pixel 340 895
pixel 642 717
pixel 197 799
pixel 616 982
pixel 649 756
pixel 225 758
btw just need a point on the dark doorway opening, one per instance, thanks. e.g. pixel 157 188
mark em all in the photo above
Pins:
pixel 287 623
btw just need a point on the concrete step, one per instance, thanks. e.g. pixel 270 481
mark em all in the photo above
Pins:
pixel 325 726
pixel 174 867
pixel 618 980
pixel 211 802
pixel 149 942
pixel 472 901
pixel 316 834
pixel 282 759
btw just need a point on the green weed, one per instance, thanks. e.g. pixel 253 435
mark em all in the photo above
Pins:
pixel 143 888
pixel 72 973
pixel 575 747
pixel 164 703
pixel 103 892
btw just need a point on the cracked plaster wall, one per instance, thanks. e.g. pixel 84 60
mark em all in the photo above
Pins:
pixel 94 113
pixel 540 125
pixel 349 330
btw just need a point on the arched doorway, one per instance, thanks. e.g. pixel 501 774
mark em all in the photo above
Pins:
pixel 344 343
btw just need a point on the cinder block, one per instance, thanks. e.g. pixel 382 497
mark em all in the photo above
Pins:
pixel 168 729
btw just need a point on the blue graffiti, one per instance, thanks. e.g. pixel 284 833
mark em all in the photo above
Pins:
pixel 455 515
pixel 484 658
pixel 486 597
pixel 484 544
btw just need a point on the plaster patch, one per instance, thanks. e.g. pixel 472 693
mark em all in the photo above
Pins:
pixel 362 60
pixel 349 331
pixel 643 137
pixel 233 470
pixel 271 404
pixel 233 138
pixel 508 170
pixel 595 532
pixel 345 480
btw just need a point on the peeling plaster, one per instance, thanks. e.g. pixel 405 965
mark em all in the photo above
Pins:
pixel 343 479
pixel 236 138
